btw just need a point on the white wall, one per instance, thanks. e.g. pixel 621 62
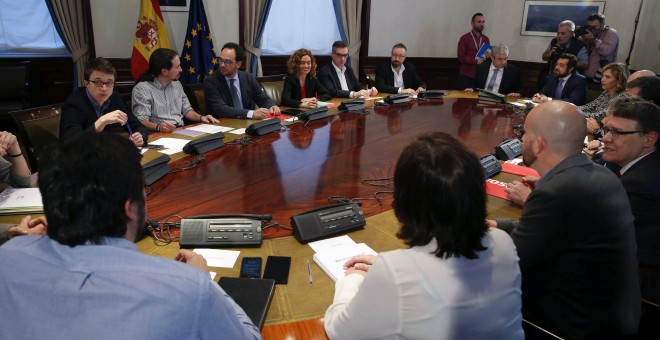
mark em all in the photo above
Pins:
pixel 432 28
pixel 114 24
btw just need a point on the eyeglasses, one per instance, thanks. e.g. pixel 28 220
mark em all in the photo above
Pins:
pixel 616 133
pixel 398 55
pixel 99 83
pixel 225 61
pixel 341 55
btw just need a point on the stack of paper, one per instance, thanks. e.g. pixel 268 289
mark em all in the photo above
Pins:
pixel 331 254
pixel 21 201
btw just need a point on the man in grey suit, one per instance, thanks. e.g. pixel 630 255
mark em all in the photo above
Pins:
pixel 338 77
pixel 232 93
pixel 575 238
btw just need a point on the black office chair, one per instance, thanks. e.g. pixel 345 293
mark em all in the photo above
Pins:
pixel 13 91
pixel 273 86
pixel 37 127
pixel 536 332
pixel 195 94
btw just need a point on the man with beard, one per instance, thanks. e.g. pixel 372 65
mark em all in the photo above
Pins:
pixel 87 279
pixel 158 99
pixel 565 83
pixel 575 237
pixel 468 46
pixel 398 76
pixel 565 42
pixel 602 42
pixel 231 93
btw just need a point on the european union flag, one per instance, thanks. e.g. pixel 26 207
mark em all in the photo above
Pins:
pixel 198 58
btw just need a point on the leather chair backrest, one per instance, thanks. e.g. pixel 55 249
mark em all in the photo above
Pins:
pixel 273 86
pixel 38 127
pixel 195 94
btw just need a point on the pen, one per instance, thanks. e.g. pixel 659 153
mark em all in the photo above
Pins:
pixel 309 270
pixel 130 131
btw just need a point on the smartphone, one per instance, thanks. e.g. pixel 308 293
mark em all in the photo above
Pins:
pixel 153 146
pixel 277 268
pixel 251 267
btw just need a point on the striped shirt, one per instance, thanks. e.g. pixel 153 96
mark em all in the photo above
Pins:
pixel 158 104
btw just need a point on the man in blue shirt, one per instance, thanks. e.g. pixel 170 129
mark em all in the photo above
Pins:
pixel 86 279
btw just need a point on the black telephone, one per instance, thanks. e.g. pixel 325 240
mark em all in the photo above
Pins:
pixel 263 127
pixel 237 230
pixel 491 96
pixel 352 105
pixel 313 114
pixel 155 169
pixel 431 94
pixel 491 165
pixel 205 144
pixel 326 221
pixel 509 150
pixel 396 98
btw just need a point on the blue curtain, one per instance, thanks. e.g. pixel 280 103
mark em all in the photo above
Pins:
pixel 66 43
pixel 254 67
pixel 340 24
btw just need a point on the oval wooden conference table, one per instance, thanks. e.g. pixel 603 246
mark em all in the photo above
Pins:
pixel 306 166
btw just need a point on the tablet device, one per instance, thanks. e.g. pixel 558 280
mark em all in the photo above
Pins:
pixel 277 268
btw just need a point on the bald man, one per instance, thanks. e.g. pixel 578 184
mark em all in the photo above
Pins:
pixel 633 86
pixel 575 237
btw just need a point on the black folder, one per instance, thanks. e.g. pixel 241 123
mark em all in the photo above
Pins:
pixel 253 295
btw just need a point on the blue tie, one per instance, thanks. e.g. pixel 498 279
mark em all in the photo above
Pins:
pixel 559 89
pixel 491 83
pixel 234 95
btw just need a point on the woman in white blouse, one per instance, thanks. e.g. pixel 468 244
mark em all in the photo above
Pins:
pixel 459 279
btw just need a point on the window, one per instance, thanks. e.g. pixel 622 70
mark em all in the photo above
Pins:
pixel 294 24
pixel 27 30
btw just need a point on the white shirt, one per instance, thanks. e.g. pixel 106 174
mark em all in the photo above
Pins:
pixel 398 77
pixel 341 76
pixel 498 79
pixel 412 294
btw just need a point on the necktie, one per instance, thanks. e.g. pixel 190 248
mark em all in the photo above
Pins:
pixel 234 95
pixel 559 89
pixel 491 83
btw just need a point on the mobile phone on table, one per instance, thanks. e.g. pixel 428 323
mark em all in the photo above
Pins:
pixel 277 268
pixel 251 267
pixel 153 146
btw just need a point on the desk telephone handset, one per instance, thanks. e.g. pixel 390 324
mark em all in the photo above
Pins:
pixel 235 230
pixel 327 221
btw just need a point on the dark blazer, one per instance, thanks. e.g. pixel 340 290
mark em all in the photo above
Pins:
pixel 575 89
pixel 218 98
pixel 385 78
pixel 642 184
pixel 78 115
pixel 511 81
pixel 330 80
pixel 292 93
pixel 578 256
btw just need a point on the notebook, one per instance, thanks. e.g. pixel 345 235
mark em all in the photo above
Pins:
pixel 253 295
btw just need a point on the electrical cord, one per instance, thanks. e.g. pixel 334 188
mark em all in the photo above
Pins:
pixel 187 165
pixel 161 231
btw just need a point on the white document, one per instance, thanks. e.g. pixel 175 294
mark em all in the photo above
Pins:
pixel 21 200
pixel 219 257
pixel 332 260
pixel 171 145
pixel 330 243
pixel 238 131
pixel 208 128
pixel 213 274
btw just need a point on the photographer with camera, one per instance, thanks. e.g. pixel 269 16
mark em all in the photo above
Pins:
pixel 565 42
pixel 602 43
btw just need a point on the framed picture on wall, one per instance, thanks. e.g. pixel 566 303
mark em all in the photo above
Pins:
pixel 174 5
pixel 542 17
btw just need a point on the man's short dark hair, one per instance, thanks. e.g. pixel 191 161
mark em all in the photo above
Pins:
pixel 476 15
pixel 572 59
pixel 400 45
pixel 85 183
pixel 338 44
pixel 641 81
pixel 160 59
pixel 596 16
pixel 651 90
pixel 240 52
pixel 99 64
pixel 439 193
pixel 645 113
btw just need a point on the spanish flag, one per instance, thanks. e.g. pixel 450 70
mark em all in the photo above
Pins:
pixel 150 35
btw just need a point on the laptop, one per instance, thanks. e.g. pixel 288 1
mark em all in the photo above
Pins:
pixel 253 295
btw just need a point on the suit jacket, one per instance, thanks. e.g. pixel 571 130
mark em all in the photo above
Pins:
pixel 385 78
pixel 578 259
pixel 292 93
pixel 330 80
pixel 218 98
pixel 78 115
pixel 575 89
pixel 511 81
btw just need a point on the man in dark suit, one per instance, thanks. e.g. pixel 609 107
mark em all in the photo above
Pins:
pixel 499 76
pixel 631 141
pixel 398 76
pixel 575 238
pixel 565 83
pixel 231 93
pixel 95 107
pixel 339 79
